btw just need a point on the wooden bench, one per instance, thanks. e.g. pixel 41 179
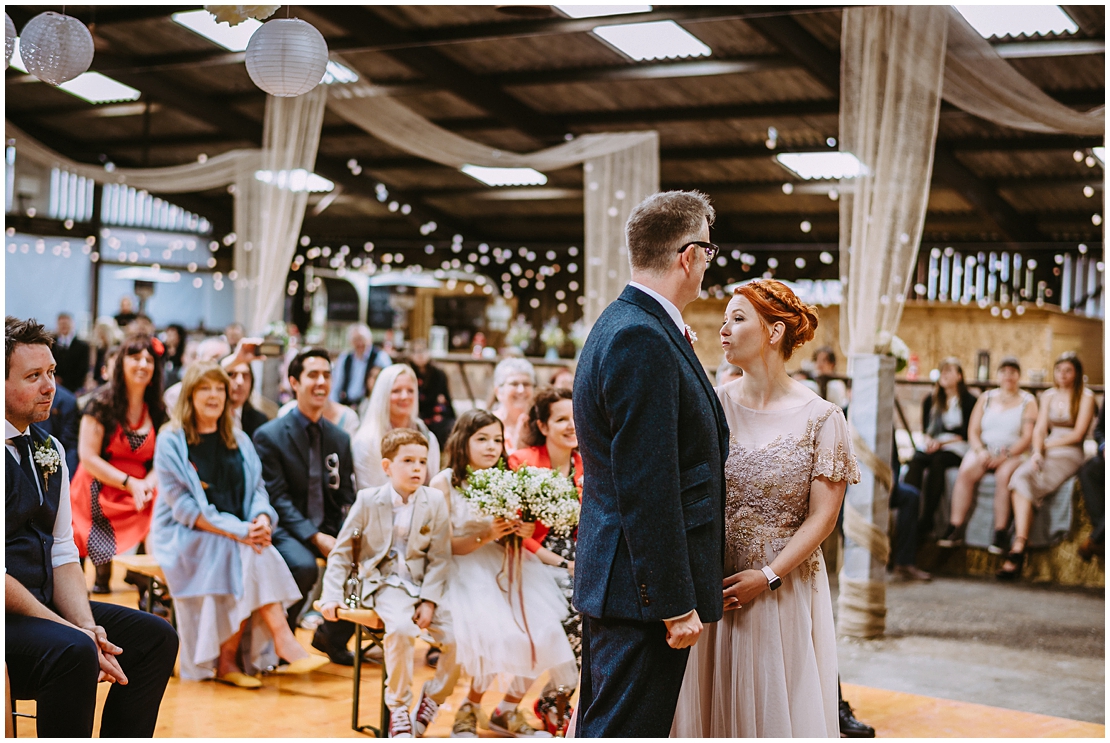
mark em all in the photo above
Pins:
pixel 366 621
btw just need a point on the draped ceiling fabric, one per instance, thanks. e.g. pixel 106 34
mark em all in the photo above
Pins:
pixel 273 212
pixel 619 171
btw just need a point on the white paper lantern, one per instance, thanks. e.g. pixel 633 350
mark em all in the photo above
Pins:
pixel 287 57
pixel 55 47
pixel 9 40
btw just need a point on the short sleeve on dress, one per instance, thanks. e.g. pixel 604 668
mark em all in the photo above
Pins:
pixel 833 456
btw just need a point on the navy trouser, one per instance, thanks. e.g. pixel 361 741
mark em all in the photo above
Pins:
pixel 907 500
pixel 631 679
pixel 1092 481
pixel 301 561
pixel 57 666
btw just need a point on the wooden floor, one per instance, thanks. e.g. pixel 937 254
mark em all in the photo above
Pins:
pixel 319 705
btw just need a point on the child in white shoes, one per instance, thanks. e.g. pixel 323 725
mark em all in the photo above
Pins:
pixel 405 563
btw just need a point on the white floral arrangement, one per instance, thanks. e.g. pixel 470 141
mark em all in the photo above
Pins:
pixel 550 498
pixel 47 460
pixel 579 331
pixel 900 351
pixel 233 15
pixel 552 335
pixel 493 492
pixel 520 333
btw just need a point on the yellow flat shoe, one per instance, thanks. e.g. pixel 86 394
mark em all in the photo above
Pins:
pixel 239 680
pixel 304 665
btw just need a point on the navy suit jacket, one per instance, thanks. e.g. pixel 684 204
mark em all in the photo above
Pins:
pixel 282 445
pixel 653 440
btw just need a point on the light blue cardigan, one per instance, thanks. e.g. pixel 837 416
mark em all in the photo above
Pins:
pixel 199 563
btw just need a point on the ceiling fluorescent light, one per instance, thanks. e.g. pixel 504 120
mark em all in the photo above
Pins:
pixel 656 40
pixel 505 176
pixel 234 39
pixel 296 180
pixel 97 88
pixel 337 73
pixel 594 11
pixel 820 165
pixel 1015 20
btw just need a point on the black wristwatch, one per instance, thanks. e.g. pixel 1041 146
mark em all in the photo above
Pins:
pixel 773 581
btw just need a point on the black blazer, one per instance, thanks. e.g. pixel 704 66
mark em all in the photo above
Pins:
pixel 252 419
pixel 967 402
pixel 72 364
pixel 282 445
pixel 653 440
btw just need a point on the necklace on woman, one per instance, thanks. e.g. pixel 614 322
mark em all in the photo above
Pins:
pixel 138 423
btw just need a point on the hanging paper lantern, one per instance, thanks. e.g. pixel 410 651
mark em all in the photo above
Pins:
pixel 55 47
pixel 9 40
pixel 287 57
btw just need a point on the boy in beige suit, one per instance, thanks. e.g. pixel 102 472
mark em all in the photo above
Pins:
pixel 405 560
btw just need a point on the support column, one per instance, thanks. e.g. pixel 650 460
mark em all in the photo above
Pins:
pixel 862 600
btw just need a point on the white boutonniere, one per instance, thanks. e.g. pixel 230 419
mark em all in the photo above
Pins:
pixel 47 460
pixel 693 336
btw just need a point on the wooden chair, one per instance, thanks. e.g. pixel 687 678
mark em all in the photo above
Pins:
pixel 366 621
pixel 147 566
pixel 12 712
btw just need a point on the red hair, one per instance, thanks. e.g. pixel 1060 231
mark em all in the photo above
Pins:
pixel 774 302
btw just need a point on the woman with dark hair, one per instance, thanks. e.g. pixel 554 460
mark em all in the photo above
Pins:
pixel 114 485
pixel 212 536
pixel 945 415
pixel 173 364
pixel 550 443
pixel 505 629
pixel 1000 431
pixel 1065 416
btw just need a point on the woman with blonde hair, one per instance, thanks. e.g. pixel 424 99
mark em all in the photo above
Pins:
pixel 393 404
pixel 211 536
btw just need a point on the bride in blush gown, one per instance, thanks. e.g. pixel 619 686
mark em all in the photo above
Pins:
pixel 769 668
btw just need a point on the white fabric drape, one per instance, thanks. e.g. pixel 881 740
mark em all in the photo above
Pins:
pixel 270 214
pixel 620 170
pixel 892 66
pixel 979 81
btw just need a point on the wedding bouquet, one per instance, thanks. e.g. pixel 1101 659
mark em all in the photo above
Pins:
pixel 548 497
pixel 493 492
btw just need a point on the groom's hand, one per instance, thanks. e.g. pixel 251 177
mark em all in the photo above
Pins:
pixel 684 631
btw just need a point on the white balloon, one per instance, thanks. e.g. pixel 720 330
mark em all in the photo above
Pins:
pixel 55 47
pixel 9 40
pixel 287 57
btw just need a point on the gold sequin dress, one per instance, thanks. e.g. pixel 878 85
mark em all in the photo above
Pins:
pixel 769 669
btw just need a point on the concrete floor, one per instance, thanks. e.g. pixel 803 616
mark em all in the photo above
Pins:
pixel 1026 648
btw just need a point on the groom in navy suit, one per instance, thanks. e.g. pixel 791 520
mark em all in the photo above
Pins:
pixel 654 441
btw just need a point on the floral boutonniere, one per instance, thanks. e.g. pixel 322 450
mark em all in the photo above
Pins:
pixel 693 336
pixel 47 460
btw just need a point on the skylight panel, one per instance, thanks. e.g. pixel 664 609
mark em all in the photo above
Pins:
pixel 1015 20
pixel 594 11
pixel 655 40
pixel 505 176
pixel 337 73
pixel 232 38
pixel 820 165
pixel 296 180
pixel 1100 153
pixel 97 88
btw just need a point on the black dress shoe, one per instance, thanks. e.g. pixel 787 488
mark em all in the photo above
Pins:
pixel 850 727
pixel 339 656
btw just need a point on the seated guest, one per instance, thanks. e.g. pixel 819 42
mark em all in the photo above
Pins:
pixel 392 405
pixel 999 432
pixel 354 366
pixel 212 530
pixel 209 349
pixel 58 645
pixel 551 443
pixel 1065 416
pixel 514 384
pixel 72 355
pixel 434 396
pixel 245 416
pixel 106 335
pixel 945 415
pixel 114 486
pixel 340 415
pixel 174 338
pixel 906 500
pixel 1092 479
pixel 563 377
pixel 62 425
pixel 726 372
pixel 306 462
pixel 824 367
pixel 405 561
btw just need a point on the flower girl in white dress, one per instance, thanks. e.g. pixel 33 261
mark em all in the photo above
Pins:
pixel 508 629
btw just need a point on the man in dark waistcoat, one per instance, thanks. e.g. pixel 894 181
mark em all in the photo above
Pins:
pixel 58 644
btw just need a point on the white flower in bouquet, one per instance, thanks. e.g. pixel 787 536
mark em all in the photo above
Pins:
pixel 550 498
pixel 900 351
pixel 493 492
pixel 579 331
pixel 520 332
pixel 552 335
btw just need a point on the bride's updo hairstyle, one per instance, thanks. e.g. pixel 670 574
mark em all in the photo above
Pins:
pixel 774 302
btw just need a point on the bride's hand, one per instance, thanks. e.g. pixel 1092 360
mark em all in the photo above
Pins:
pixel 743 587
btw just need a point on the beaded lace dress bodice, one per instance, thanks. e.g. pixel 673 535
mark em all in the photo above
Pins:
pixel 774 456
